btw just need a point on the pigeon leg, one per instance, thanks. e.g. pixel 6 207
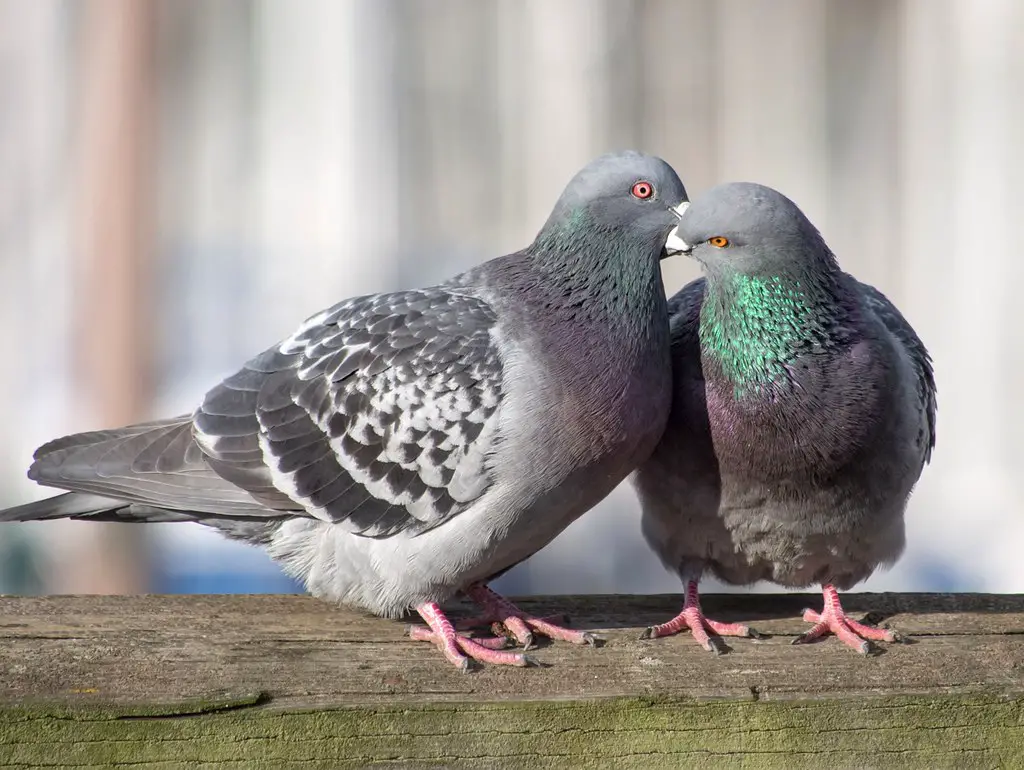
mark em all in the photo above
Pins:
pixel 692 617
pixel 498 609
pixel 459 648
pixel 833 619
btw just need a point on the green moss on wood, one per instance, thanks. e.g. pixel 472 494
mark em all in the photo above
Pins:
pixel 927 731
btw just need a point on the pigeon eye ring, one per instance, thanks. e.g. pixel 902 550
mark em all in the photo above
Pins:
pixel 719 241
pixel 642 190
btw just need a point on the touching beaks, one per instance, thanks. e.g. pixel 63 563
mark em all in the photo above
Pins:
pixel 674 244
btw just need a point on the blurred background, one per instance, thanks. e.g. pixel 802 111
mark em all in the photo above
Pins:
pixel 183 181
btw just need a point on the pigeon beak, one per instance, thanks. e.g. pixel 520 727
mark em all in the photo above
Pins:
pixel 674 244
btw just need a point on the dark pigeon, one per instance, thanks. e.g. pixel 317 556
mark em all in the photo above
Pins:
pixel 400 448
pixel 803 414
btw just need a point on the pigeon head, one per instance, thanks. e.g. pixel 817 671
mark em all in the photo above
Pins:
pixel 627 196
pixel 743 228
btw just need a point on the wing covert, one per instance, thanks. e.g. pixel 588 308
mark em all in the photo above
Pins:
pixel 904 332
pixel 378 413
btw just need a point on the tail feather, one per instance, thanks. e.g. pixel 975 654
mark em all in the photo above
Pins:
pixel 98 436
pixel 73 505
pixel 156 466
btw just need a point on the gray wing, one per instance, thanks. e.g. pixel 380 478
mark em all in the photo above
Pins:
pixel 894 321
pixel 684 320
pixel 379 414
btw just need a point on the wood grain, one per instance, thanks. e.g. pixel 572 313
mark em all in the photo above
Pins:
pixel 291 681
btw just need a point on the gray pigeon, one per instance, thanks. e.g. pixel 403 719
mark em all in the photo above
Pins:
pixel 803 414
pixel 400 448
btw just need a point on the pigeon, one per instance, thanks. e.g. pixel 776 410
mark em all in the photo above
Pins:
pixel 400 449
pixel 803 414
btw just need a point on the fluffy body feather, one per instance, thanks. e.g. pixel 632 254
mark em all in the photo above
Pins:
pixel 805 483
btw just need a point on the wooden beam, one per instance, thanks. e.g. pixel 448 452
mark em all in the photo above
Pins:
pixel 279 681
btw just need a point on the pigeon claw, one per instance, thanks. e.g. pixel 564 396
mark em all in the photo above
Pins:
pixel 463 651
pixel 592 640
pixel 862 646
pixel 716 645
pixel 706 632
pixel 834 620
pixel 898 637
pixel 692 618
pixel 460 649
pixel 552 631
pixel 508 619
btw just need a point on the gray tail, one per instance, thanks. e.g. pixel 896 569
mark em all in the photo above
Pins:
pixel 150 472
pixel 74 505
pixel 151 467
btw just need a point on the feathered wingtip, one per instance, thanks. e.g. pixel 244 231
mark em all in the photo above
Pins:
pixel 75 505
pixel 70 505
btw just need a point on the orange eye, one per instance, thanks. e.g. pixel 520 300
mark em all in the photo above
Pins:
pixel 642 190
pixel 719 242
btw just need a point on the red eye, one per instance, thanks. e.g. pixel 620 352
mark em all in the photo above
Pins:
pixel 642 190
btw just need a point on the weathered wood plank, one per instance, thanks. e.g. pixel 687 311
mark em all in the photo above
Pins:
pixel 903 733
pixel 271 681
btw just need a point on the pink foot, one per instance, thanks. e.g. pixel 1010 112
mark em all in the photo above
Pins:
pixel 833 619
pixel 459 648
pixel 693 618
pixel 467 624
pixel 499 610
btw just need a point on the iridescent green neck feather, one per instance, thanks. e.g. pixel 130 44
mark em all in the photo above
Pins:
pixel 753 326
